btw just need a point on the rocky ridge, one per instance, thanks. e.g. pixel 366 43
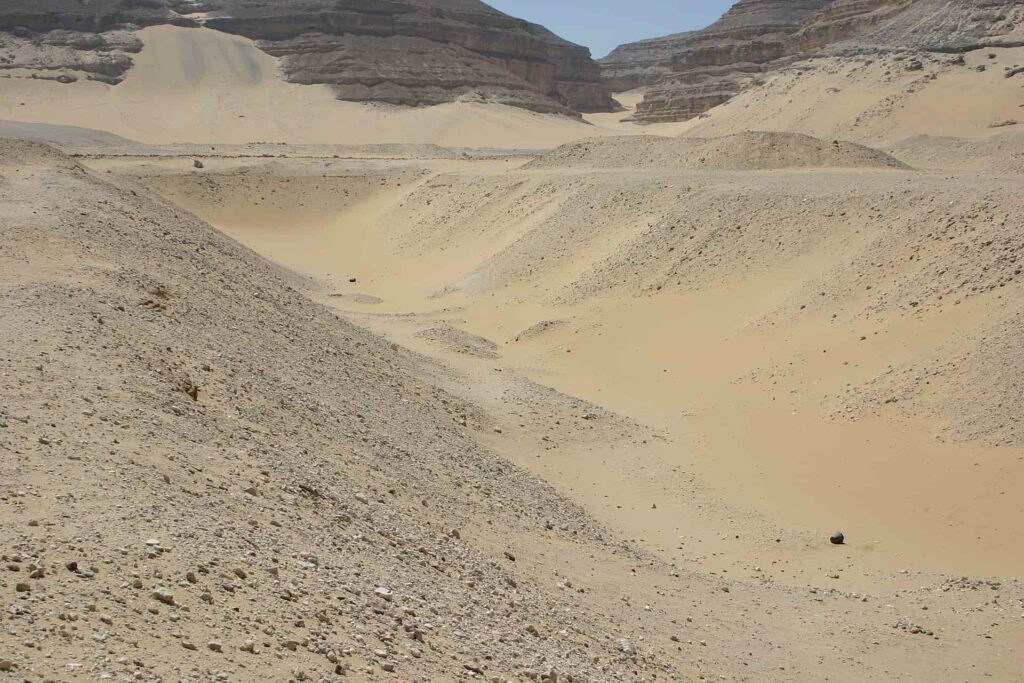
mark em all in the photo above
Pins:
pixel 694 72
pixel 463 49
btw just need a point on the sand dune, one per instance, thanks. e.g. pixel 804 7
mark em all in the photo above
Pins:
pixel 200 85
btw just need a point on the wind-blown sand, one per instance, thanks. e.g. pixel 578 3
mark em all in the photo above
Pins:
pixel 200 85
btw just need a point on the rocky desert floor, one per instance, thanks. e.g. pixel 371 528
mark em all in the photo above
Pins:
pixel 474 393
pixel 374 413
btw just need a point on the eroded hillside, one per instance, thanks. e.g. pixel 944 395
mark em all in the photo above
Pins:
pixel 206 463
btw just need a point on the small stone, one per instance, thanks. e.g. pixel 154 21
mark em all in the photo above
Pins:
pixel 163 595
pixel 6 665
pixel 197 164
pixel 23 587
pixel 473 666
pixel 215 646
pixel 837 538
pixel 188 645
pixel 626 647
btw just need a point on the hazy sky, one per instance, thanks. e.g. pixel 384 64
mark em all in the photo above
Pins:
pixel 603 24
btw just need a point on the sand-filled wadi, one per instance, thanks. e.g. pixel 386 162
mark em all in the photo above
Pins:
pixel 299 388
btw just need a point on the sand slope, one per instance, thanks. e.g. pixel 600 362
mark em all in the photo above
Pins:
pixel 880 99
pixel 222 452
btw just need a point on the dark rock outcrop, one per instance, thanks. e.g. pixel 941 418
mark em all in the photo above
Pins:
pixel 707 68
pixel 410 52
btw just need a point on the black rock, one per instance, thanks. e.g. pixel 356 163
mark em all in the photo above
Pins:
pixel 837 538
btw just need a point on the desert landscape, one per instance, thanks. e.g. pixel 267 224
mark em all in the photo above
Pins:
pixel 406 341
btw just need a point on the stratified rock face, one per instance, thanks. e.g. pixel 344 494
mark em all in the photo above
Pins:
pixel 645 62
pixel 843 19
pixel 709 67
pixel 420 52
pixel 410 52
pixel 944 26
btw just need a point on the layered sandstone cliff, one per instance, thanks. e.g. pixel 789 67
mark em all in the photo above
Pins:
pixel 409 52
pixel 707 68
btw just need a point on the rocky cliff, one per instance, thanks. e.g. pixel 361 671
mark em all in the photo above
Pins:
pixel 939 25
pixel 645 62
pixel 708 67
pixel 409 52
pixel 697 71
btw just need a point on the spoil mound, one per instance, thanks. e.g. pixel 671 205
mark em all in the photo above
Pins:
pixel 150 360
pixel 749 151
pixel 61 136
pixel 23 153
pixel 460 341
